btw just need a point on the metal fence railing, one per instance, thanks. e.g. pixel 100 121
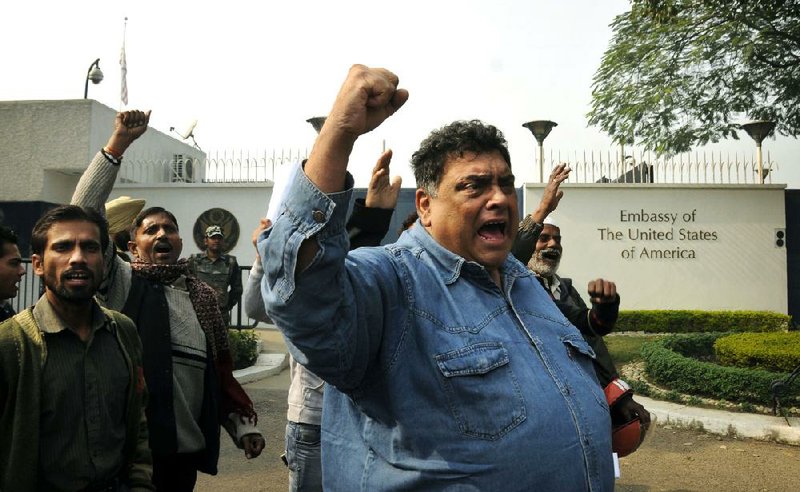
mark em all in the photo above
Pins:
pixel 647 167
pixel 218 167
pixel 636 166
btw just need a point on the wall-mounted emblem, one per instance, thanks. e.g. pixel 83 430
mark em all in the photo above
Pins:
pixel 219 217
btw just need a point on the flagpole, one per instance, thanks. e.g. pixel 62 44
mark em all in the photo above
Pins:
pixel 123 64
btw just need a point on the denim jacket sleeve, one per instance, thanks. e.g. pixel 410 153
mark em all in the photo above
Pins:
pixel 332 313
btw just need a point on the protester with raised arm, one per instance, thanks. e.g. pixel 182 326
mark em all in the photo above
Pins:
pixel 449 366
pixel 187 361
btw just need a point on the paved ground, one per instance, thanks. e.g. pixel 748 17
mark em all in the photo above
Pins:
pixel 267 473
pixel 684 460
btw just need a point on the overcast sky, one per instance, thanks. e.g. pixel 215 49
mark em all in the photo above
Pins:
pixel 252 72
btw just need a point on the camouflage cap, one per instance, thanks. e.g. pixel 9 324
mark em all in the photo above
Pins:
pixel 214 230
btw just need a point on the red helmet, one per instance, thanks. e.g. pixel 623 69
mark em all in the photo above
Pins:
pixel 626 433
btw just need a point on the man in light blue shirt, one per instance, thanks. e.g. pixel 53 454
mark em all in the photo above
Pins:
pixel 450 365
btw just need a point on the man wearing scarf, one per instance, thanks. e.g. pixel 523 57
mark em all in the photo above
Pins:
pixel 187 362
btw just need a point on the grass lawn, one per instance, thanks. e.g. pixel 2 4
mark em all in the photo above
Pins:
pixel 626 348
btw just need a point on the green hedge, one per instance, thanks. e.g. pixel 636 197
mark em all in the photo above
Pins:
pixel 778 352
pixel 664 321
pixel 243 345
pixel 684 363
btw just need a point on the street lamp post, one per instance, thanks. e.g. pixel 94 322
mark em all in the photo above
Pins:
pixel 758 131
pixel 94 74
pixel 540 129
pixel 317 122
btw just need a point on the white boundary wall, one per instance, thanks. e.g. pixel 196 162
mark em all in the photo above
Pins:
pixel 736 266
pixel 710 247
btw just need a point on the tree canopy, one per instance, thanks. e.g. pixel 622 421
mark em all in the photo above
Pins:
pixel 680 73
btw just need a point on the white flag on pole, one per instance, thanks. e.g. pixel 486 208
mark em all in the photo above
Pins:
pixel 124 67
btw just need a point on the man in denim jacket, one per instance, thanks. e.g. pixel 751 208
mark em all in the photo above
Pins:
pixel 449 365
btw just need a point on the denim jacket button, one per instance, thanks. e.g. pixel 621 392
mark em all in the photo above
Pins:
pixel 319 216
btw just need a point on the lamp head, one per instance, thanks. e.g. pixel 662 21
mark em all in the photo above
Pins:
pixel 759 130
pixel 540 129
pixel 317 122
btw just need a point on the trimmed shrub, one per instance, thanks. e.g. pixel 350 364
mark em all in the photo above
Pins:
pixel 243 347
pixel 779 352
pixel 674 362
pixel 684 321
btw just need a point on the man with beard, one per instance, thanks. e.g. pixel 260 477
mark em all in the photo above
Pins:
pixel 11 271
pixel 187 361
pixel 71 386
pixel 219 270
pixel 538 244
pixel 448 365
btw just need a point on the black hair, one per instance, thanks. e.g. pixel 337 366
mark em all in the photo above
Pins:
pixel 66 213
pixel 454 140
pixel 147 213
pixel 7 236
pixel 408 221
pixel 121 240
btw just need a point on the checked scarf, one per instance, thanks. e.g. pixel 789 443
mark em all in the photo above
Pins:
pixel 203 297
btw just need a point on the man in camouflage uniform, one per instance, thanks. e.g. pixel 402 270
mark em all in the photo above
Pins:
pixel 219 270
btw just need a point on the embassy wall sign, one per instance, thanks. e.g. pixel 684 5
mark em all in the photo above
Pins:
pixel 675 246
pixel 658 234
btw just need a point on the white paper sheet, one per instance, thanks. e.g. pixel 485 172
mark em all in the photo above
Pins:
pixel 284 175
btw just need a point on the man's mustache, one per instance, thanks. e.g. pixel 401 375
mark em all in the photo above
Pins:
pixel 550 254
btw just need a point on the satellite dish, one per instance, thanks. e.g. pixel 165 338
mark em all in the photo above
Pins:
pixel 189 131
